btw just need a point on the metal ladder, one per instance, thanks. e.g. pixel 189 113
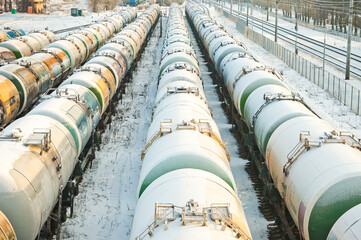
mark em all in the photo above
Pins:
pixel 165 127
pixel 219 212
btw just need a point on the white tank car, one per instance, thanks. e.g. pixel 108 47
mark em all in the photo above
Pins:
pixel 35 166
pixel 315 167
pixel 186 188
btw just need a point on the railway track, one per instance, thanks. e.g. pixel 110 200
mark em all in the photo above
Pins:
pixel 333 55
pixel 71 29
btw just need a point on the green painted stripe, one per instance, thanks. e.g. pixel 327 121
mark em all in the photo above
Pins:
pixel 111 70
pixel 266 136
pixel 96 37
pixel 99 97
pixel 85 45
pixel 12 48
pixel 71 129
pixel 332 204
pixel 253 86
pixel 66 52
pixel 184 161
pixel 130 44
pixel 43 74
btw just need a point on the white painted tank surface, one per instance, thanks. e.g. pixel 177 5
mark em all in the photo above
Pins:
pixel 106 31
pixel 32 43
pixel 74 116
pixel 185 175
pixel 32 174
pixel 232 66
pixel 179 71
pixel 41 149
pixel 103 72
pixel 216 43
pixel 135 36
pixel 249 82
pixel 18 47
pixel 113 61
pixel 223 49
pixel 123 48
pixel 178 54
pixel 131 41
pixel 315 167
pixel 268 107
pixel 201 196
pixel 348 226
pixel 321 183
pixel 70 49
pixel 80 46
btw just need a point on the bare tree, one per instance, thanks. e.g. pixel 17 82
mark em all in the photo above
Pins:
pixel 109 4
pixel 94 5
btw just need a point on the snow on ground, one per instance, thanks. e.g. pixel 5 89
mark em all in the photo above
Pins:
pixel 66 5
pixel 105 205
pixel 29 22
pixel 246 193
pixel 57 17
pixel 323 103
pixel 56 21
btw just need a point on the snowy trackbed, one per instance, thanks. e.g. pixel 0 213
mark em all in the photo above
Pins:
pixel 105 205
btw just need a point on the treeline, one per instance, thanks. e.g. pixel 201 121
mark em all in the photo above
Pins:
pixel 318 12
pixel 103 5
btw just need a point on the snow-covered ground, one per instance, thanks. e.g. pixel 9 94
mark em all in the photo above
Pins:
pixel 105 205
pixel 29 22
pixel 324 104
pixel 57 17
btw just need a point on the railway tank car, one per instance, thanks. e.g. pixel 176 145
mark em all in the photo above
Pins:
pixel 28 44
pixel 315 167
pixel 7 34
pixel 186 189
pixel 42 148
pixel 48 67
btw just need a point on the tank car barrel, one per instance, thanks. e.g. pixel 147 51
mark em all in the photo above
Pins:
pixel 315 167
pixel 43 63
pixel 43 147
pixel 186 188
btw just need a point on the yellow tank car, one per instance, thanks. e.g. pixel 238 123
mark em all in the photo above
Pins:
pixel 3 36
pixel 38 5
pixel 9 101
pixel 6 230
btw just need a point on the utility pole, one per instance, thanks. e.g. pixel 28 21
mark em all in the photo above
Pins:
pixel 296 27
pixel 262 26
pixel 252 14
pixel 239 5
pixel 247 12
pixel 276 21
pixel 296 15
pixel 252 9
pixel 348 57
pixel 324 56
pixel 268 7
